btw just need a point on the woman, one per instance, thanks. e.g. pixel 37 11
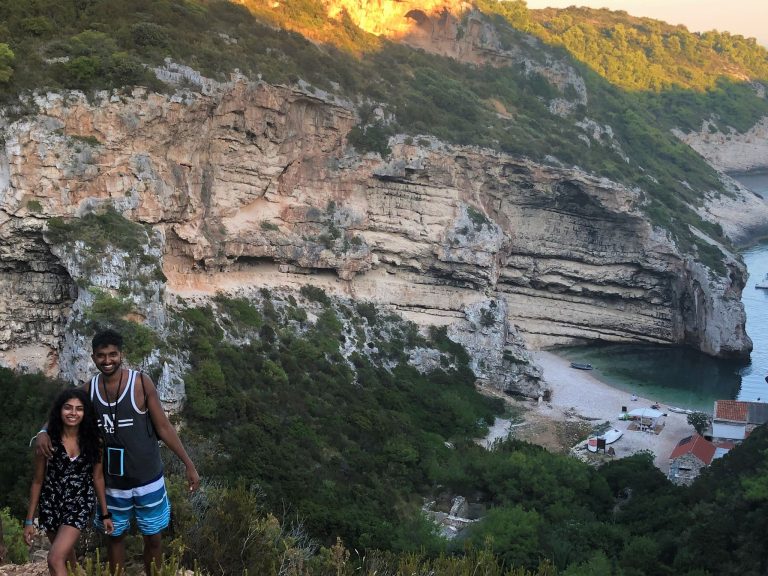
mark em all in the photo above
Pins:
pixel 64 486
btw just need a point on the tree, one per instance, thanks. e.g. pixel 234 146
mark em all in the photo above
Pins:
pixel 513 534
pixel 699 421
pixel 6 60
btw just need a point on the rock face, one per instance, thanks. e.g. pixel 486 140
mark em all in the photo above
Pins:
pixel 36 293
pixel 453 28
pixel 742 214
pixel 252 185
pixel 731 151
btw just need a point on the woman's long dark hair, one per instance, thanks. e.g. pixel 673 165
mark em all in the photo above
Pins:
pixel 89 434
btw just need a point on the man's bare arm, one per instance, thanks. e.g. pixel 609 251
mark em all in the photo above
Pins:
pixel 167 433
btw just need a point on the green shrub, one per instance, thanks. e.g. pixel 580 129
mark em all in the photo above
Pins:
pixel 269 226
pixel 106 307
pixel 145 34
pixel 37 25
pixel 13 536
pixel 99 230
pixel 315 294
pixel 372 138
pixel 241 311
pixel 368 311
pixel 478 218
pixel 34 206
pixel 6 63
pixel 108 311
pixel 90 140
pixel 28 398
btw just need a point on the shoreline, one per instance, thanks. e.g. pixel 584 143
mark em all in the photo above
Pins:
pixel 578 395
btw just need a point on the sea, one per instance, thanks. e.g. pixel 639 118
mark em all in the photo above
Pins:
pixel 686 378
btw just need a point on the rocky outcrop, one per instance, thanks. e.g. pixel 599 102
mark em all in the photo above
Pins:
pixel 742 214
pixel 498 352
pixel 253 185
pixel 731 151
pixel 453 28
pixel 36 294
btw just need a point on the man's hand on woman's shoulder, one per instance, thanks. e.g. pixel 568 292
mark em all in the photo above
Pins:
pixel 43 445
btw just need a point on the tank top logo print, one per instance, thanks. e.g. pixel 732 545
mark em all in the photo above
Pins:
pixel 108 424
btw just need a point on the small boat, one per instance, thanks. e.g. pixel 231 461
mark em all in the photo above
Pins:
pixel 581 366
pixel 763 284
pixel 609 436
pixel 679 410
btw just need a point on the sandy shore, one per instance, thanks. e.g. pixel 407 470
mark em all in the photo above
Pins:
pixel 578 393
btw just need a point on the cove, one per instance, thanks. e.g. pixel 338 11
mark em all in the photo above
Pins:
pixel 687 378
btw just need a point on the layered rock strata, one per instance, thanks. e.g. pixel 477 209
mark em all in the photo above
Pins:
pixel 253 185
pixel 36 293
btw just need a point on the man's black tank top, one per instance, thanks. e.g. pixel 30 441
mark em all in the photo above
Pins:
pixel 132 454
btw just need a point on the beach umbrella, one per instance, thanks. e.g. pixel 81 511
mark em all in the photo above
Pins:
pixel 646 413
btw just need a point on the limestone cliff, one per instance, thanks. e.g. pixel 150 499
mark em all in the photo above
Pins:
pixel 253 185
pixel 730 150
pixel 742 215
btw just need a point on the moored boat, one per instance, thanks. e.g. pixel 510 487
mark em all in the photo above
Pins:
pixel 610 436
pixel 763 284
pixel 581 366
pixel 679 410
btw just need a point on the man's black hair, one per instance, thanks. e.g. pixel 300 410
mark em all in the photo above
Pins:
pixel 107 337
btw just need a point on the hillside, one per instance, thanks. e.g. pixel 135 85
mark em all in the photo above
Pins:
pixel 473 81
pixel 327 231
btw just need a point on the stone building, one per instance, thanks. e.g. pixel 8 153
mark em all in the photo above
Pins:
pixel 688 458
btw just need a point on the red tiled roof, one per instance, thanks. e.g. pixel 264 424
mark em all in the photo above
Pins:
pixel 733 410
pixel 697 445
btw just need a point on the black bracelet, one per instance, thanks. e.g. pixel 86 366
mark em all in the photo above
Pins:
pixel 106 516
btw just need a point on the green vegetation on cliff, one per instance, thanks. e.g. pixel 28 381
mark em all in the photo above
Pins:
pixel 299 445
pixel 640 53
pixel 347 442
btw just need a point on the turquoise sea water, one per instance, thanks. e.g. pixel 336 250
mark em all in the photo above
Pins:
pixel 753 384
pixel 669 375
pixel 685 378
pixel 755 181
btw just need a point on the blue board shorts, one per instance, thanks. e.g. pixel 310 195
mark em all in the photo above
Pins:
pixel 149 504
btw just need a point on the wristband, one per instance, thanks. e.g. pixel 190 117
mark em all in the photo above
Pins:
pixel 106 516
pixel 28 522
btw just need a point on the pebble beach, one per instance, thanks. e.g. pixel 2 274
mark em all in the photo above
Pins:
pixel 578 394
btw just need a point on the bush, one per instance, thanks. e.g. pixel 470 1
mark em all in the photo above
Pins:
pixel 368 311
pixel 226 530
pixel 27 397
pixel 372 138
pixel 315 294
pixel 34 206
pixel 699 421
pixel 99 230
pixel 146 34
pixel 6 60
pixel 13 537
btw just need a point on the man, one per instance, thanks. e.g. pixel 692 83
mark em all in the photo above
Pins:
pixel 132 420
